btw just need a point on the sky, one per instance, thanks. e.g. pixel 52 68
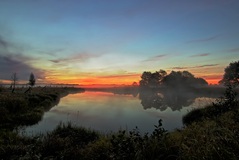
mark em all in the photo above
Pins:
pixel 112 42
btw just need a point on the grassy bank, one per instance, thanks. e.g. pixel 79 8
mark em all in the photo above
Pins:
pixel 207 139
pixel 213 134
pixel 22 108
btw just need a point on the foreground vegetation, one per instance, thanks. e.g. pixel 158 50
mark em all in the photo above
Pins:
pixel 214 134
pixel 20 108
pixel 207 139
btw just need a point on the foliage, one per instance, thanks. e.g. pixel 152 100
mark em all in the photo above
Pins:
pixel 14 80
pixel 231 74
pixel 149 79
pixel 66 141
pixel 27 109
pixel 214 136
pixel 131 145
pixel 174 79
pixel 209 139
pixel 229 100
pixel 32 80
pixel 182 79
pixel 223 104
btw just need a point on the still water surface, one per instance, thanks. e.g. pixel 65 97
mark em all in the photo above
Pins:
pixel 108 112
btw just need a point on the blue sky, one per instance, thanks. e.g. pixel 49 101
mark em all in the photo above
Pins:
pixel 94 41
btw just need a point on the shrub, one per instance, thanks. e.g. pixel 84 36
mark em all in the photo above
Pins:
pixel 66 141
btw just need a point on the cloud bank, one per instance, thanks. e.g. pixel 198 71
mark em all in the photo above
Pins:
pixel 9 66
pixel 200 66
pixel 16 63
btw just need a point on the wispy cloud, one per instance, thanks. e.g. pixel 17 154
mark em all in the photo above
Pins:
pixel 203 39
pixel 79 57
pixel 201 66
pixel 200 55
pixel 206 65
pixel 13 61
pixel 155 58
pixel 233 50
pixel 3 43
pixel 179 68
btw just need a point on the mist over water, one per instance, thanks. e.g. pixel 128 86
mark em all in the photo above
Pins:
pixel 122 109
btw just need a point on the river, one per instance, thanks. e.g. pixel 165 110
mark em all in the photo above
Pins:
pixel 107 112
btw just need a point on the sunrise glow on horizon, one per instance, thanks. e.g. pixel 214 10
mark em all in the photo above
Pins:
pixel 113 42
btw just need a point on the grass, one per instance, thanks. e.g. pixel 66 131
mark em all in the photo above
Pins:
pixel 27 109
pixel 208 139
pixel 209 133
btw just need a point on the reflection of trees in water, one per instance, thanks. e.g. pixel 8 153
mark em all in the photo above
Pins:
pixel 167 98
pixel 151 99
pixel 176 100
pixel 126 91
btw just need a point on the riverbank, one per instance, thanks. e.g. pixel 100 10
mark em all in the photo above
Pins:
pixel 214 136
pixel 20 108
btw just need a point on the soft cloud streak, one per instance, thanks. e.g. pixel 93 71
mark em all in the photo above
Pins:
pixel 233 50
pixel 201 55
pixel 203 39
pixel 79 57
pixel 200 66
pixel 3 43
pixel 155 58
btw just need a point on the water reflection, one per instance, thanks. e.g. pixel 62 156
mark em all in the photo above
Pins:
pixel 152 99
pixel 162 100
pixel 108 111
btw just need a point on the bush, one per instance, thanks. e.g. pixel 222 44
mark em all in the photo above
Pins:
pixel 209 140
pixel 223 104
pixel 66 141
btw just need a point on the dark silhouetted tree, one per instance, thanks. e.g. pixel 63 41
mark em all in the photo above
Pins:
pixel 145 78
pixel 183 79
pixel 231 74
pixel 14 80
pixel 187 74
pixel 151 80
pixel 200 82
pixel 32 80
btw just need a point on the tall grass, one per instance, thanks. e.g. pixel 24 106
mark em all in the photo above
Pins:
pixel 212 133
pixel 27 109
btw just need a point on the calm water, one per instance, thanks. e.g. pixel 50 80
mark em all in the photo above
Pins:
pixel 108 112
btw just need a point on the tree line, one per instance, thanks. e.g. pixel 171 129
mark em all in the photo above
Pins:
pixel 187 79
pixel 174 79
